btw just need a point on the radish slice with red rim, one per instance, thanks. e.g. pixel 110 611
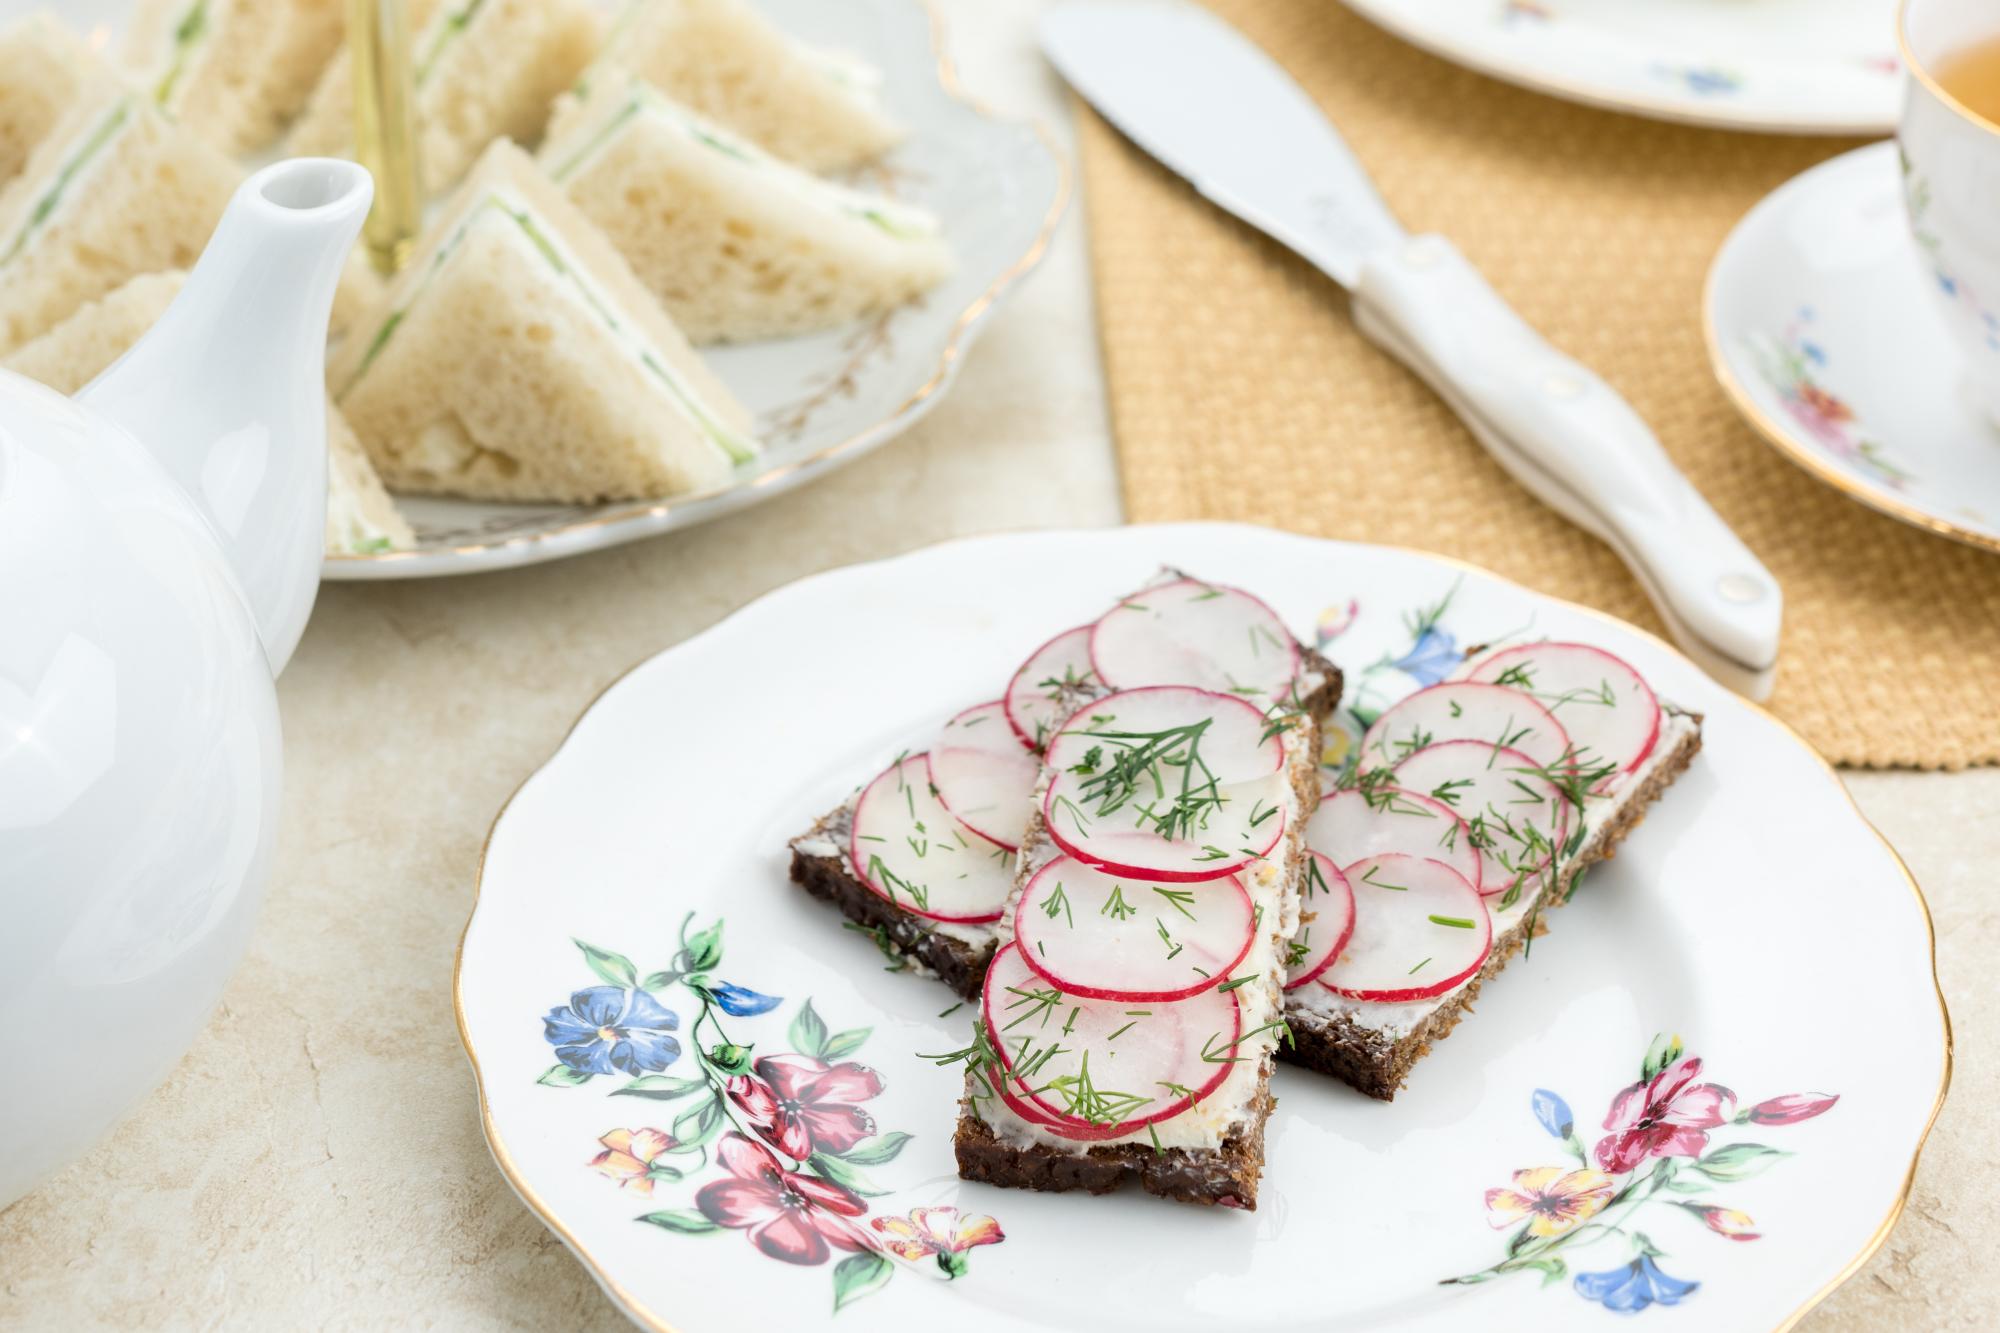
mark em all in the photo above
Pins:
pixel 983 776
pixel 910 850
pixel 1610 712
pixel 1107 938
pixel 1356 823
pixel 1326 922
pixel 1186 632
pixel 1516 817
pixel 1047 687
pixel 1419 930
pixel 1099 1069
pixel 1167 783
pixel 1464 710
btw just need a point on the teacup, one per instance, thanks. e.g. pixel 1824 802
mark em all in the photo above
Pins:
pixel 1951 182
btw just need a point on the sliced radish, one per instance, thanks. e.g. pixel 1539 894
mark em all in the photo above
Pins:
pixel 1107 938
pixel 1044 688
pixel 1419 930
pixel 1187 632
pixel 1326 922
pixel 1167 783
pixel 1514 816
pixel 909 849
pixel 1097 1069
pixel 1352 824
pixel 1462 710
pixel 983 776
pixel 1611 714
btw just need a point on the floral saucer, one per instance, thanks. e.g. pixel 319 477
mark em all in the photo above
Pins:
pixel 1778 66
pixel 1822 327
pixel 1705 1088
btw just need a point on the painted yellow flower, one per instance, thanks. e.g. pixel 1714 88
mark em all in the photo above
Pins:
pixel 1553 1199
pixel 628 1156
pixel 939 1231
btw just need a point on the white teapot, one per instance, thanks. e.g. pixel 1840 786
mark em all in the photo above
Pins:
pixel 160 539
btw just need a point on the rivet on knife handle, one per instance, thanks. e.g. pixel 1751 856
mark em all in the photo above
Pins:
pixel 1567 436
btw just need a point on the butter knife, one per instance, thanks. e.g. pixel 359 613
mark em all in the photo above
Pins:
pixel 1206 102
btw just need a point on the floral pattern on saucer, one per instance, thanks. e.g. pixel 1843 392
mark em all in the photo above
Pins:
pixel 1792 364
pixel 1657 1144
pixel 780 1144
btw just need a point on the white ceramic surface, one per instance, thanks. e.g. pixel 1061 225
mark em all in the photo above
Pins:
pixel 1951 186
pixel 823 400
pixel 1822 327
pixel 158 558
pixel 1781 66
pixel 1743 915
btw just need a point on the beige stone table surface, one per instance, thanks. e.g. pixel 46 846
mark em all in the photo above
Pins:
pixel 316 1160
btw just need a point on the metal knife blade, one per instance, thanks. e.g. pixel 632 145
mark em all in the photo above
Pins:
pixel 1197 95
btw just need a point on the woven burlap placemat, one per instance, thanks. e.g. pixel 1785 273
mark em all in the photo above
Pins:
pixel 1241 390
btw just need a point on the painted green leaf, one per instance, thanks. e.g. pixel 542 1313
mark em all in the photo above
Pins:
pixel 615 968
pixel 684 1220
pixel 698 1125
pixel 808 1032
pixel 704 948
pixel 840 1173
pixel 1520 1241
pixel 1552 1269
pixel 843 1044
pixel 1666 1049
pixel 729 1057
pixel 877 1150
pixel 857 1275
pixel 660 1087
pixel 1739 1161
pixel 660 980
pixel 562 1076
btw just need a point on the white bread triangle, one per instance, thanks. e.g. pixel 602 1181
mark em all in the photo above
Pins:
pixel 728 62
pixel 736 244
pixel 360 516
pixel 233 71
pixel 505 362
pixel 131 194
pixel 490 78
pixel 44 67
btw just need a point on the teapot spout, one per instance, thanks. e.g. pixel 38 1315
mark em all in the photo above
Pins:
pixel 228 390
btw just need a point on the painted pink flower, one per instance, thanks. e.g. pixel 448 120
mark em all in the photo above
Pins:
pixel 940 1231
pixel 1792 1108
pixel 1727 1222
pixel 789 1216
pixel 800 1104
pixel 628 1157
pixel 1670 1116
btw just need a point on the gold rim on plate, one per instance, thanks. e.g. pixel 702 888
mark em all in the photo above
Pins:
pixel 876 432
pixel 638 1312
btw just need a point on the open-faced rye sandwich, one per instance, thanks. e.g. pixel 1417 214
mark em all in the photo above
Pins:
pixel 1034 857
pixel 1473 808
pixel 517 358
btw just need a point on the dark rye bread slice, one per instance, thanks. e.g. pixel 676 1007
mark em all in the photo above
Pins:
pixel 1226 1176
pixel 912 939
pixel 1374 1063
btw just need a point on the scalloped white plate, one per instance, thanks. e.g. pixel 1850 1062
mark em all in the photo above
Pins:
pixel 1742 916
pixel 1777 66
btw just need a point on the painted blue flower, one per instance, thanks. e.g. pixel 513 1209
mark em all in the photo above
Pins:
pixel 1431 658
pixel 742 1001
pixel 1553 1113
pixel 1632 1288
pixel 608 1028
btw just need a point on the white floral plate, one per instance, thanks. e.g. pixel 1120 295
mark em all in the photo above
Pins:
pixel 1782 66
pixel 1822 327
pixel 998 187
pixel 1756 957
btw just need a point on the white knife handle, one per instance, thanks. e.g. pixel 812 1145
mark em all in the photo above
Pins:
pixel 1567 436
